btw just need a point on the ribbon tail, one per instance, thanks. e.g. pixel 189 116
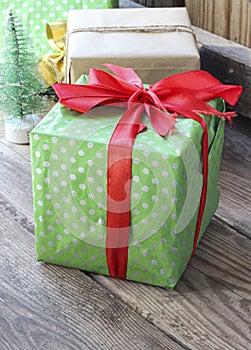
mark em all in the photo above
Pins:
pixel 204 145
pixel 205 184
pixel 229 117
pixel 230 93
pixel 161 121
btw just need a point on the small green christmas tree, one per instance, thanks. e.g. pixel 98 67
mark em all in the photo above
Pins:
pixel 20 81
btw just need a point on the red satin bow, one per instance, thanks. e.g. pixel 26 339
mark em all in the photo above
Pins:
pixel 185 94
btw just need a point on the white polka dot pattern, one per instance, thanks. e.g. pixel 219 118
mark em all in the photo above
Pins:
pixel 35 14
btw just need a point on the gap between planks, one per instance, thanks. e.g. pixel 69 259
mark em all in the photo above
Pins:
pixel 229 62
pixel 213 295
pixel 49 307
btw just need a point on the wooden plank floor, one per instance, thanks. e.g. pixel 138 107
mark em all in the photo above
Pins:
pixel 54 308
pixel 49 307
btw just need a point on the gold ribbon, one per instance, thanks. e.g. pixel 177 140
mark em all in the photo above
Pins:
pixel 52 65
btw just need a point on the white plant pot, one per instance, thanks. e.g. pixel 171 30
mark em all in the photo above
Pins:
pixel 17 129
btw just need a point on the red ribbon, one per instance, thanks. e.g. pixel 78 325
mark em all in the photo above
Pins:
pixel 185 94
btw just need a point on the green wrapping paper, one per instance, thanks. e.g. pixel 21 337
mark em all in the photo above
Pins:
pixel 35 14
pixel 69 157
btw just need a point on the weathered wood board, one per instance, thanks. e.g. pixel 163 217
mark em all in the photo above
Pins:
pixel 227 18
pixel 211 304
pixel 235 177
pixel 161 3
pixel 229 62
pixel 49 307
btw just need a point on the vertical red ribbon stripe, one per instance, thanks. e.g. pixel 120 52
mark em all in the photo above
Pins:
pixel 119 175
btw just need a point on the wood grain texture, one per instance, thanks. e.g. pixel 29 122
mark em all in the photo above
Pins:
pixel 161 3
pixel 225 256
pixel 210 306
pixel 15 179
pixel 128 3
pixel 227 18
pixel 229 62
pixel 243 37
pixel 49 307
pixel 248 39
pixel 209 15
pixel 23 150
pixel 235 18
pixel 220 18
pixel 235 177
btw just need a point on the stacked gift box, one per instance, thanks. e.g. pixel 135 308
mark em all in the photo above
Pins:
pixel 125 171
pixel 154 42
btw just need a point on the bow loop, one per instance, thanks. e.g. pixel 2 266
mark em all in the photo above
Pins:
pixel 127 74
pixel 112 83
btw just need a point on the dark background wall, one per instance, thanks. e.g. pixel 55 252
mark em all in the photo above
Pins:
pixel 161 3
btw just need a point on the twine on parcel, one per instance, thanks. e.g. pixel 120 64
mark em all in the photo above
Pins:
pixel 158 28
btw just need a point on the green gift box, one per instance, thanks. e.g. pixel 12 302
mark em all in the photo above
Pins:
pixel 69 167
pixel 35 14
